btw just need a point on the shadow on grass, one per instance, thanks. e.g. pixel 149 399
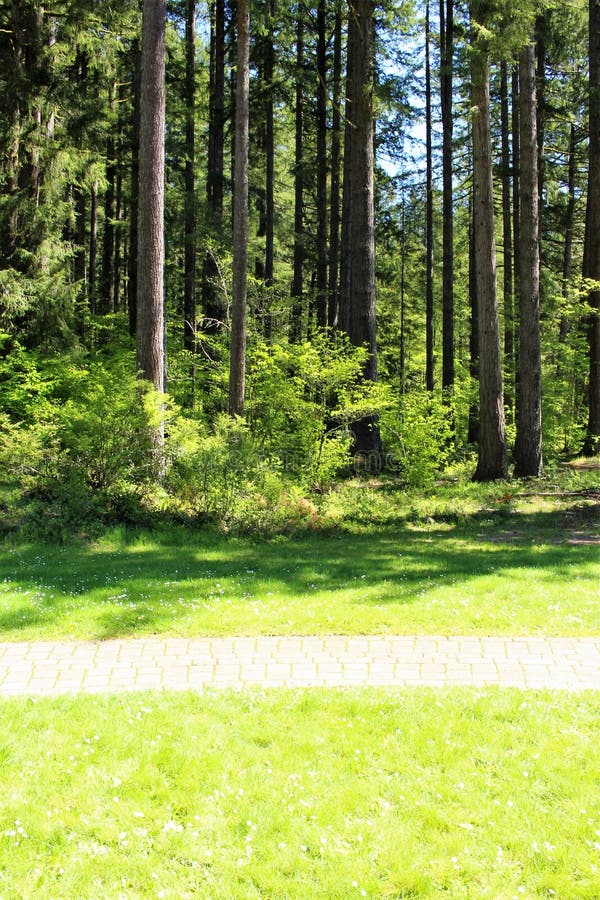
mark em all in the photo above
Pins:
pixel 151 581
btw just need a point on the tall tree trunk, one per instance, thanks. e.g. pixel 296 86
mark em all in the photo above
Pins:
pixel 516 207
pixel 592 249
pixel 446 88
pixel 473 426
pixel 367 440
pixel 150 324
pixel 334 217
pixel 297 290
pixel 541 27
pixel 321 279
pixel 212 299
pixel 429 362
pixel 507 252
pixel 269 167
pixel 347 199
pixel 107 291
pixel 492 461
pixel 237 368
pixel 528 446
pixel 189 293
pixel 132 262
pixel 92 294
pixel 568 246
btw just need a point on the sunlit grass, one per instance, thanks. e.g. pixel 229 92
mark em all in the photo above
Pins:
pixel 459 560
pixel 461 794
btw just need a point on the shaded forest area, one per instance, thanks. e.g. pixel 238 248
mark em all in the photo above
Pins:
pixel 249 248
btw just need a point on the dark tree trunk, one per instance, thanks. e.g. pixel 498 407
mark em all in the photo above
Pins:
pixel 270 168
pixel 541 105
pixel 189 293
pixel 93 248
pixel 429 333
pixel 132 261
pixel 334 218
pixel 346 249
pixel 150 323
pixel 237 368
pixel 212 299
pixel 107 290
pixel 297 290
pixel 568 246
pixel 516 209
pixel 507 251
pixel 321 286
pixel 446 88
pixel 492 461
pixel 473 427
pixel 528 446
pixel 367 442
pixel 592 249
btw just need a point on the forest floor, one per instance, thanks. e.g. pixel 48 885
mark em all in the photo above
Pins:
pixel 318 793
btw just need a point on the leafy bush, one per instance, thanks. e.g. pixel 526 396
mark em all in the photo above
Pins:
pixel 418 433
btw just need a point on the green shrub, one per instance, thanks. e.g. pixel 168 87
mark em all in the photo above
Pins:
pixel 418 434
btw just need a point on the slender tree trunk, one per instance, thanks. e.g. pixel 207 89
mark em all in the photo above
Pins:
pixel 107 291
pixel 516 207
pixel 132 261
pixel 473 426
pixel 542 111
pixel 446 89
pixel 270 168
pixel 507 253
pixel 429 333
pixel 93 248
pixel 568 246
pixel 592 250
pixel 528 447
pixel 237 369
pixel 150 324
pixel 492 461
pixel 321 286
pixel 403 304
pixel 189 294
pixel 347 199
pixel 297 290
pixel 212 300
pixel 367 442
pixel 334 218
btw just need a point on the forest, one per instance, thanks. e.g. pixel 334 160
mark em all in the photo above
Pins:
pixel 248 249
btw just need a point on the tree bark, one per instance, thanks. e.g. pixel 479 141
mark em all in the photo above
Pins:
pixel 446 89
pixel 429 332
pixel 528 446
pixel 492 460
pixel 297 290
pixel 132 261
pixel 189 293
pixel 507 249
pixel 334 216
pixel 237 368
pixel 150 324
pixel 367 442
pixel 212 300
pixel 270 168
pixel 592 249
pixel 321 123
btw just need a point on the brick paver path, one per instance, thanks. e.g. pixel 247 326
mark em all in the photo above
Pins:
pixel 50 668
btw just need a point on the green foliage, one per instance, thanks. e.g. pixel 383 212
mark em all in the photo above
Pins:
pixel 78 461
pixel 418 433
pixel 302 402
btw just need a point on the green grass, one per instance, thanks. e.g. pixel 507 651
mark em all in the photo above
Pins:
pixel 457 560
pixel 379 794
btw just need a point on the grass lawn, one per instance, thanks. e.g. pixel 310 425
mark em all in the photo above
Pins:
pixel 455 561
pixel 381 794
